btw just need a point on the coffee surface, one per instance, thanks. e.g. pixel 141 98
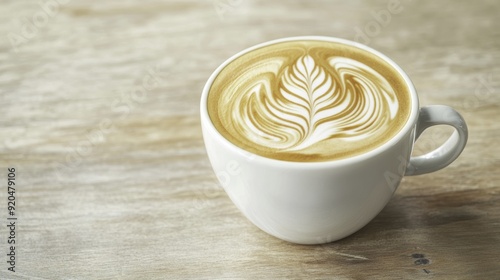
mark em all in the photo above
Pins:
pixel 308 100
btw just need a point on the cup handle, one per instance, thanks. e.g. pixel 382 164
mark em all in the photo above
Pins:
pixel 446 153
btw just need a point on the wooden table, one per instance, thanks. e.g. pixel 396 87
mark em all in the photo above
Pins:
pixel 99 105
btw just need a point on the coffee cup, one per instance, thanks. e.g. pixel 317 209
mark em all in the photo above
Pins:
pixel 311 136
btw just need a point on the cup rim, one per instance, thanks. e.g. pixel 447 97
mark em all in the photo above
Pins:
pixel 410 122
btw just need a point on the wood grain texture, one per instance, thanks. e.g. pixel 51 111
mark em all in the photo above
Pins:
pixel 99 105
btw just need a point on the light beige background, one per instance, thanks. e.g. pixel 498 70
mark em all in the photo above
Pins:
pixel 99 116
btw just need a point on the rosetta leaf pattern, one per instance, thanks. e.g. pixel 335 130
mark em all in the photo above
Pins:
pixel 348 100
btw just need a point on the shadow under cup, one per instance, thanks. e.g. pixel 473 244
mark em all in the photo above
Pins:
pixel 323 201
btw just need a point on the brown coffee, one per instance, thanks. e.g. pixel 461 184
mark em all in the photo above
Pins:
pixel 308 100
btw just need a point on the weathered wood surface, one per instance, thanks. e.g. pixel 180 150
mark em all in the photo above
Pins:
pixel 99 116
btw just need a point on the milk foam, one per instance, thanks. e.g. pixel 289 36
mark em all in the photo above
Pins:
pixel 306 102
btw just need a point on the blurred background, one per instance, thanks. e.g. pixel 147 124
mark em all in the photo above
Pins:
pixel 99 103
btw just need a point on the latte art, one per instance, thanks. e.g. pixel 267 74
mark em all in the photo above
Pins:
pixel 349 101
pixel 307 101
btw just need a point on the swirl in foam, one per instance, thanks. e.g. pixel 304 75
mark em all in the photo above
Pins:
pixel 306 103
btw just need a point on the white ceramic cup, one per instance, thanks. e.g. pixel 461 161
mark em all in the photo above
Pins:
pixel 320 202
